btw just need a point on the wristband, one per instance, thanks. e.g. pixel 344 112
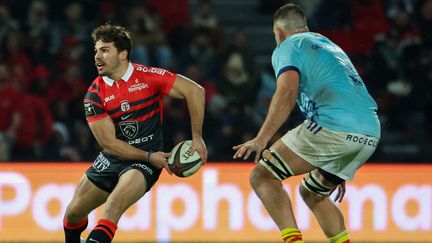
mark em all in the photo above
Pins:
pixel 148 156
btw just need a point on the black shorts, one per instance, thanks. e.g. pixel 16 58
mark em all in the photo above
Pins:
pixel 106 171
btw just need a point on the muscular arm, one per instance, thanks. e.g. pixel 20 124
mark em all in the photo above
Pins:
pixel 194 94
pixel 104 132
pixel 281 105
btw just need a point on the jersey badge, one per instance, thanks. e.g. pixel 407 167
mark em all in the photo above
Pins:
pixel 129 128
pixel 124 106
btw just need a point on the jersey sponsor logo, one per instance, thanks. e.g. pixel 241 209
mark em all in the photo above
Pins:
pixel 89 109
pixel 356 80
pixel 307 106
pixel 159 71
pixel 111 97
pixel 137 87
pixel 124 106
pixel 141 140
pixel 126 116
pixel 129 128
pixel 100 163
pixel 316 47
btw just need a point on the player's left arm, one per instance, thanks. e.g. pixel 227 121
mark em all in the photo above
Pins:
pixel 185 88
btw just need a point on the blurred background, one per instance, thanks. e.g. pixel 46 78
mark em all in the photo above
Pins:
pixel 46 66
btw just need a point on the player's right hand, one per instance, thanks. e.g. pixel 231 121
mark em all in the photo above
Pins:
pixel 341 192
pixel 199 145
pixel 160 161
pixel 246 149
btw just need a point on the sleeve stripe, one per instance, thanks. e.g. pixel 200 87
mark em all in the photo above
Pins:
pixel 93 97
pixel 94 86
pixel 288 68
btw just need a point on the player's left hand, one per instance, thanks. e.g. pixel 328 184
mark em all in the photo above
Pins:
pixel 199 146
pixel 341 192
pixel 244 150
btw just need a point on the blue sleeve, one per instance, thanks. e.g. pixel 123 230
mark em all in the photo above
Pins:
pixel 286 57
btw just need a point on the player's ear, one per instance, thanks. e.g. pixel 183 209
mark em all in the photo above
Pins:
pixel 279 34
pixel 123 54
pixel 282 34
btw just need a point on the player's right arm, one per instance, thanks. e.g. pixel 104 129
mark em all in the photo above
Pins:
pixel 103 129
pixel 104 132
pixel 280 108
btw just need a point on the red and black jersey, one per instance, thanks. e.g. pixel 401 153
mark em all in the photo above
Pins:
pixel 135 104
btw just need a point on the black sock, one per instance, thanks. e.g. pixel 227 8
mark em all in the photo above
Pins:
pixel 103 232
pixel 73 231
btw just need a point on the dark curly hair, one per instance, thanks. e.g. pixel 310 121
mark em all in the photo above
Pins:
pixel 113 33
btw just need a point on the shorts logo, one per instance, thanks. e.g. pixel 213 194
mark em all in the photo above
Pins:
pixel 124 106
pixel 89 109
pixel 101 163
pixel 129 128
pixel 144 167
pixel 362 140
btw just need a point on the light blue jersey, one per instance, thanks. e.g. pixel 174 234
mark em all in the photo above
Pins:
pixel 331 92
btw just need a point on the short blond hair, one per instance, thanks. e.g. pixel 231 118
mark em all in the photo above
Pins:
pixel 290 17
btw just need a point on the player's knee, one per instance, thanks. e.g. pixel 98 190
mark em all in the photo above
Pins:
pixel 309 197
pixel 256 176
pixel 73 212
pixel 271 166
pixel 312 190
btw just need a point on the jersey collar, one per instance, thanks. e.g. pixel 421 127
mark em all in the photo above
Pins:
pixel 125 77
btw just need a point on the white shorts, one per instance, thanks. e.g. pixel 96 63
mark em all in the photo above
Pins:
pixel 338 153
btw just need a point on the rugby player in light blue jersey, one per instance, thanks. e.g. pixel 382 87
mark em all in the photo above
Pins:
pixel 340 133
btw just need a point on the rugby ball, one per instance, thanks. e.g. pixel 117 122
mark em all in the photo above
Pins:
pixel 181 162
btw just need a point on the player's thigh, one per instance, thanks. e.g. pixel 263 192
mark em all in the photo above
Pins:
pixel 296 164
pixel 318 184
pixel 86 198
pixel 131 186
pixel 279 162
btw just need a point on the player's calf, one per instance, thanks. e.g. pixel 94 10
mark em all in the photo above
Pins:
pixel 103 232
pixel 315 190
pixel 73 230
pixel 270 172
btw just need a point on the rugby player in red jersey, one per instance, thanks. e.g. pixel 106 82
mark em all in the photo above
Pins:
pixel 123 108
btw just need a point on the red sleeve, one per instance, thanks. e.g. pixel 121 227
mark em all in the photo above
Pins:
pixel 164 80
pixel 93 107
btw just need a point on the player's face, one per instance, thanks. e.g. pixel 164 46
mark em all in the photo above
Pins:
pixel 107 58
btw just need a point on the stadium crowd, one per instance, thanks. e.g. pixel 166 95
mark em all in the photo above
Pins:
pixel 47 64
